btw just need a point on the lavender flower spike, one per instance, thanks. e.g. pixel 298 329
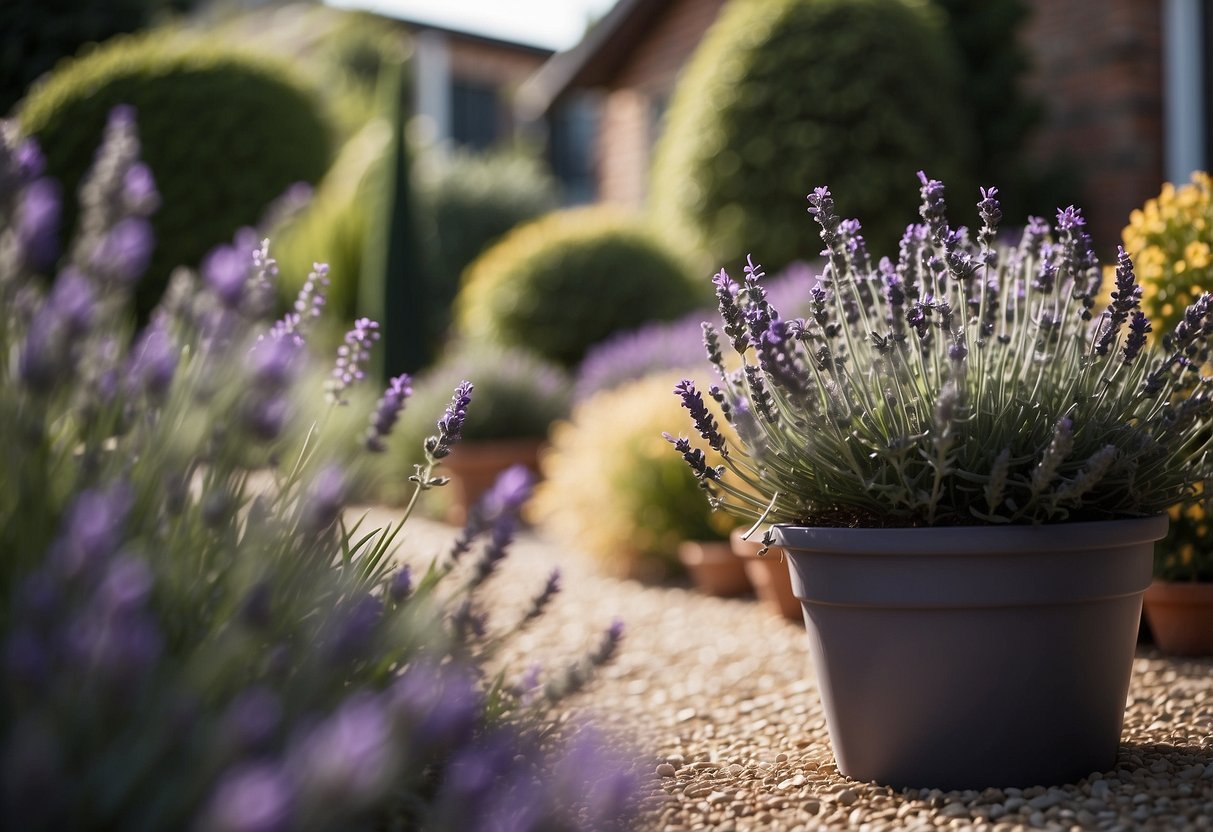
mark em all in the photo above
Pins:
pixel 351 357
pixel 705 423
pixel 450 426
pixel 695 458
pixel 387 411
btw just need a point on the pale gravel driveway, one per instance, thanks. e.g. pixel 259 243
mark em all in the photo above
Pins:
pixel 720 698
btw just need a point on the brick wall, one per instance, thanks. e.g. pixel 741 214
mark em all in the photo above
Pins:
pixel 637 97
pixel 1097 65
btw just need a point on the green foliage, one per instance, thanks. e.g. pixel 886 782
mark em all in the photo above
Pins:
pixel 566 281
pixel 467 203
pixel 223 132
pixel 612 488
pixel 782 95
pixel 37 34
pixel 965 384
pixel 333 227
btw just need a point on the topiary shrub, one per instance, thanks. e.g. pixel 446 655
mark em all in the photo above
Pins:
pixel 783 95
pixel 334 225
pixel 566 281
pixel 467 203
pixel 612 488
pixel 518 396
pixel 224 133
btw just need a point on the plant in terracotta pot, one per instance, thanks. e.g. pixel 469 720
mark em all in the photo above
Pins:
pixel 1171 240
pixel 967 463
pixel 518 396
pixel 612 489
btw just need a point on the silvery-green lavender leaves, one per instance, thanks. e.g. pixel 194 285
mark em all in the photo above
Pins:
pixel 963 383
pixel 192 634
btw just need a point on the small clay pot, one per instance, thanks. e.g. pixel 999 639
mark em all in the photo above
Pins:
pixel 1181 617
pixel 474 466
pixel 769 575
pixel 714 568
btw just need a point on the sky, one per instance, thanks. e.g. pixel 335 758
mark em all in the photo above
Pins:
pixel 555 24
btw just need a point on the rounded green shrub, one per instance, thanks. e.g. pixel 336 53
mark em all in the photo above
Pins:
pixel 614 488
pixel 785 95
pixel 516 395
pixel 333 227
pixel 568 280
pixel 467 203
pixel 224 132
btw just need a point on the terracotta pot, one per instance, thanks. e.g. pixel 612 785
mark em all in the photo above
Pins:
pixel 474 466
pixel 768 574
pixel 971 657
pixel 714 568
pixel 1181 617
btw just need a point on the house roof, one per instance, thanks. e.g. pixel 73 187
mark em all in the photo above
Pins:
pixel 415 24
pixel 594 60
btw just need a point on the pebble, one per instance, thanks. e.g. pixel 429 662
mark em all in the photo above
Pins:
pixel 665 770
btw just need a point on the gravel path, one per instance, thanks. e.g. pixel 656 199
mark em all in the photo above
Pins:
pixel 720 697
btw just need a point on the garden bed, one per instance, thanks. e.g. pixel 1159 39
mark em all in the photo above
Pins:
pixel 719 697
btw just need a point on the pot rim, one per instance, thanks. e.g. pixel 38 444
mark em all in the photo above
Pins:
pixel 967 540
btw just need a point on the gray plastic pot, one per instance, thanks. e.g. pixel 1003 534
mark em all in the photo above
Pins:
pixel 969 657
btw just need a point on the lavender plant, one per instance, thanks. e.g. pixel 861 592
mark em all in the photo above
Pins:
pixel 963 383
pixel 194 632
pixel 674 345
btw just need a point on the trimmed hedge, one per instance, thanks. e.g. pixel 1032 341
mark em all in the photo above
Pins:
pixel 564 282
pixel 224 132
pixel 785 95
pixel 468 203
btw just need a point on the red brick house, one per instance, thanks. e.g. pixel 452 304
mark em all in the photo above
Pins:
pixel 464 84
pixel 1124 83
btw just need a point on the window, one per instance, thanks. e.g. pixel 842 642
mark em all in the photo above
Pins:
pixel 475 115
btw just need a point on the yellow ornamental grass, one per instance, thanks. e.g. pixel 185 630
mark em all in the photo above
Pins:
pixel 1170 239
pixel 615 489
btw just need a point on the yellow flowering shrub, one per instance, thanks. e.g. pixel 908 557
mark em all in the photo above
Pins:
pixel 614 488
pixel 1170 239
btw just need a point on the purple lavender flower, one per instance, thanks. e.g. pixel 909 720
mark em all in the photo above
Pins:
pixel 695 458
pixel 124 252
pixel 350 756
pixel 31 163
pixel 152 363
pixel 324 498
pixel 1139 328
pixel 541 601
pixel 821 206
pixel 351 358
pixel 225 270
pixel 387 411
pixel 438 703
pixel 254 797
pixel 450 426
pixel 252 719
pixel 73 302
pixel 704 421
pixel 37 223
pixel 355 627
pixel 273 363
pixel 1125 299
pixel 139 190
pixel 401 585
pixel 991 214
pixel 934 206
pixel 92 529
